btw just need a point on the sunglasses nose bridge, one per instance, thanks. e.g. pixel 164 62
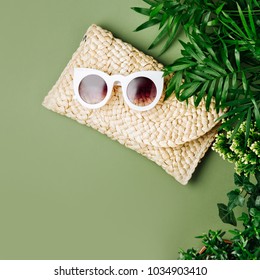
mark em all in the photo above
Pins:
pixel 117 79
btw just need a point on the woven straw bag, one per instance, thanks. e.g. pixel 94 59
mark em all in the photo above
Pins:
pixel 173 134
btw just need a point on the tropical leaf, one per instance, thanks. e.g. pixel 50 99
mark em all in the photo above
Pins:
pixel 156 10
pixel 210 94
pixel 237 58
pixel 187 90
pixel 252 22
pixel 172 33
pixel 143 11
pixel 224 94
pixel 147 24
pixel 244 22
pixel 175 83
pixel 248 125
pixel 230 24
pixel 256 113
pixel 201 93
pixel 160 36
pixel 221 59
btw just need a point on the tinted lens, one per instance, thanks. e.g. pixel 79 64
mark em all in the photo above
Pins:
pixel 141 91
pixel 93 89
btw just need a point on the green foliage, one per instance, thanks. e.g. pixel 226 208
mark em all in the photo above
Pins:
pixel 245 192
pixel 241 148
pixel 221 61
pixel 243 245
pixel 216 248
pixel 226 214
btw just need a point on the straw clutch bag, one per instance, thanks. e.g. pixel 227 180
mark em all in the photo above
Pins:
pixel 173 134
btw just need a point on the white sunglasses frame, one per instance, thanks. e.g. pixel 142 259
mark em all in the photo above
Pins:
pixel 111 80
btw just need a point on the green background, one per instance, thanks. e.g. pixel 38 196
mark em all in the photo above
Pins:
pixel 66 191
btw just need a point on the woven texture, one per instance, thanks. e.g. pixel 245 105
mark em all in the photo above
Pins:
pixel 173 134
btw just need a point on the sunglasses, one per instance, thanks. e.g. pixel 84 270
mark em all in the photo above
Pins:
pixel 141 90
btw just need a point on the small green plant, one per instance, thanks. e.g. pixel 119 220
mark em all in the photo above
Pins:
pixel 243 245
pixel 245 154
pixel 215 247
pixel 243 149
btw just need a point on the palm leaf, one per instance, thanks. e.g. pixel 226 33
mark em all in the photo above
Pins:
pixel 237 58
pixel 180 65
pixel 248 125
pixel 224 94
pixel 220 8
pixel 252 22
pixel 201 93
pixel 172 34
pixel 205 20
pixel 234 80
pixel 231 25
pixel 243 19
pixel 256 113
pixel 160 36
pixel 195 77
pixel 210 94
pixel 210 50
pixel 233 112
pixel 188 89
pixel 225 56
pixel 244 83
pixel 143 11
pixel 156 10
pixel 165 17
pixel 203 74
pixel 237 102
pixel 191 51
pixel 147 24
pixel 256 3
pixel 237 126
pixel 174 85
pixel 215 66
